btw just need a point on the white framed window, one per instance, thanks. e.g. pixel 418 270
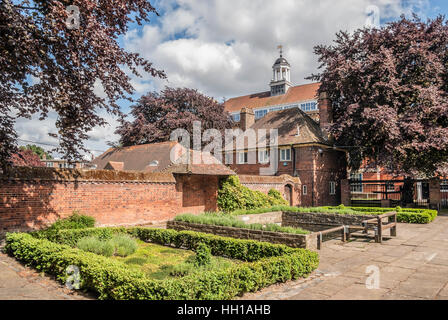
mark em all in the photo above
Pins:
pixel 444 186
pixel 236 117
pixel 263 156
pixel 285 154
pixel 356 187
pixel 229 158
pixel 260 113
pixel 304 190
pixel 49 164
pixel 332 188
pixel 390 187
pixel 242 157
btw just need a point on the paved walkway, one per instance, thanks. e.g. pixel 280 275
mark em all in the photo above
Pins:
pixel 412 266
pixel 20 283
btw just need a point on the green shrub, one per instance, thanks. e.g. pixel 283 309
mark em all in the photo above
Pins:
pixel 121 245
pixel 114 280
pixel 203 255
pixel 95 245
pixel 75 221
pixel 124 245
pixel 234 196
pixel 227 220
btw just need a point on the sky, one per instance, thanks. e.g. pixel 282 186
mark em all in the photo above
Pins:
pixel 226 48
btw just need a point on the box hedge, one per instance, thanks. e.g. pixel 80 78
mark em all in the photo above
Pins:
pixel 265 264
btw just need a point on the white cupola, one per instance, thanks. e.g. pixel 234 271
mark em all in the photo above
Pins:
pixel 281 78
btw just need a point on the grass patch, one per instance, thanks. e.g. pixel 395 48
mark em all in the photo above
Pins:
pixel 227 220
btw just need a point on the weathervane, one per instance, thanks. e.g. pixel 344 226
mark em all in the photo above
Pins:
pixel 280 47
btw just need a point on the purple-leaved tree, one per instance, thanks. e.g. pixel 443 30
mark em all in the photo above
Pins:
pixel 389 90
pixel 156 116
pixel 51 59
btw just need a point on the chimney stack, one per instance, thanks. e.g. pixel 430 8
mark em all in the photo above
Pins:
pixel 325 112
pixel 247 118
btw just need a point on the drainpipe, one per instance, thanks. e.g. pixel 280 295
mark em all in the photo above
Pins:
pixel 294 173
pixel 314 177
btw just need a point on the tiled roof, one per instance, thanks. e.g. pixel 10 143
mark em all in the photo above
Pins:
pixel 287 122
pixel 156 157
pixel 258 100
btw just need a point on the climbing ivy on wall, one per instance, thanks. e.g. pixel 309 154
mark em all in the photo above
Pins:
pixel 234 196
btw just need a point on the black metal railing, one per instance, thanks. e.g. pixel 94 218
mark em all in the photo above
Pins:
pixel 370 193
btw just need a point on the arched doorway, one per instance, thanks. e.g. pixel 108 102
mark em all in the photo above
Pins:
pixel 288 194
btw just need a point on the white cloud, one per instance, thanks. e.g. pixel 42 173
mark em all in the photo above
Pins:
pixel 226 48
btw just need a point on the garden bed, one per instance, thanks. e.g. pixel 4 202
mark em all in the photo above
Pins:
pixel 404 215
pixel 306 241
pixel 245 265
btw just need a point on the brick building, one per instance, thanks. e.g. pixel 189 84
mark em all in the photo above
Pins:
pixel 304 147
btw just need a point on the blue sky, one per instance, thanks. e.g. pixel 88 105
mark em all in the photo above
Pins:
pixel 226 48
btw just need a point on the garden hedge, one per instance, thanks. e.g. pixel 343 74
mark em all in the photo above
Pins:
pixel 265 264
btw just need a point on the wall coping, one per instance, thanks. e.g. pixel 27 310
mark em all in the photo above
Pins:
pixel 79 175
pixel 252 179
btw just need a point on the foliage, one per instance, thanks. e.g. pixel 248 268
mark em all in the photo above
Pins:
pixel 203 255
pixel 407 215
pixel 227 220
pixel 158 115
pixel 234 196
pixel 120 245
pixel 37 150
pixel 97 246
pixel 388 89
pixel 75 221
pixel 50 65
pixel 26 158
pixel 124 245
pixel 111 279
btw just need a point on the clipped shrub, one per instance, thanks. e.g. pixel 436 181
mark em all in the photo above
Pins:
pixel 234 196
pixel 121 245
pixel 203 255
pixel 124 245
pixel 97 246
pixel 75 221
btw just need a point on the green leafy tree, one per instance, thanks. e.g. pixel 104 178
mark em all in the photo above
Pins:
pixel 37 150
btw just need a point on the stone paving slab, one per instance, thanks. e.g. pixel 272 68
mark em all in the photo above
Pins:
pixel 413 266
pixel 18 282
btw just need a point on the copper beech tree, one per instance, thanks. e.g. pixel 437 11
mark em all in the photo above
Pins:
pixel 389 90
pixel 157 115
pixel 52 56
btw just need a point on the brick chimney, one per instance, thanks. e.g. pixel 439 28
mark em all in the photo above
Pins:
pixel 247 118
pixel 325 112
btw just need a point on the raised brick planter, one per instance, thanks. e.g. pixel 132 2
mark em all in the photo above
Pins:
pixel 300 219
pixel 293 240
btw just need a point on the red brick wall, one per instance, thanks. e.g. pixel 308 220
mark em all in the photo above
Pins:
pixel 265 183
pixel 315 171
pixel 33 203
